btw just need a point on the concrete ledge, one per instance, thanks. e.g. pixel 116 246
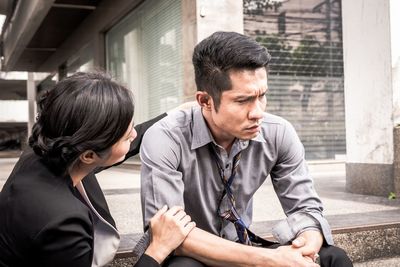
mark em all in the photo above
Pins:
pixel 362 243
pixel 124 255
pixel 382 262
pixel 369 179
pixel 369 242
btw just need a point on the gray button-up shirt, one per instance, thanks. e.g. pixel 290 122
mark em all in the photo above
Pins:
pixel 179 169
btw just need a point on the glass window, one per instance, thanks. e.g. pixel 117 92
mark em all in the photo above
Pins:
pixel 305 78
pixel 144 51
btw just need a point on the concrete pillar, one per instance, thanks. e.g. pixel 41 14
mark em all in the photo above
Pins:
pixel 31 93
pixel 395 39
pixel 368 96
pixel 201 18
pixel 396 161
pixel 189 40
pixel 221 15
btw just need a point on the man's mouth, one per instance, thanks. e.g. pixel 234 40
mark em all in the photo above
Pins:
pixel 254 128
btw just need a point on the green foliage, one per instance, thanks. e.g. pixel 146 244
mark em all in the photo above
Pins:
pixel 260 7
pixel 392 195
pixel 281 53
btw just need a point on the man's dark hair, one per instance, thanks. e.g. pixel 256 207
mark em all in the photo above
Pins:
pixel 86 111
pixel 220 53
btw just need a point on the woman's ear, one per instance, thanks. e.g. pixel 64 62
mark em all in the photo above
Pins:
pixel 204 99
pixel 88 157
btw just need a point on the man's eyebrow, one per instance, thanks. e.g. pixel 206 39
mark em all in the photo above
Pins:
pixel 244 97
pixel 250 96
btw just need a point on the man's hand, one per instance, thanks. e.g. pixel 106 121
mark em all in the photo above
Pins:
pixel 309 243
pixel 290 256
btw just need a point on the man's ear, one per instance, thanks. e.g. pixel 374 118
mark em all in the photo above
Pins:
pixel 204 99
pixel 88 157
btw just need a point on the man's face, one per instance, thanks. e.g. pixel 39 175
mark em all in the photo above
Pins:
pixel 241 109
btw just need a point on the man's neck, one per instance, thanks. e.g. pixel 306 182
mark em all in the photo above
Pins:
pixel 220 137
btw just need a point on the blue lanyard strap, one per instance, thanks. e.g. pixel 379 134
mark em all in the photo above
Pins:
pixel 244 234
pixel 231 215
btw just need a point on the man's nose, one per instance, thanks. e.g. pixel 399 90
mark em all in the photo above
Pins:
pixel 257 111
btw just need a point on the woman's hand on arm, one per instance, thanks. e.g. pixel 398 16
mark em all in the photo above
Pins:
pixel 169 229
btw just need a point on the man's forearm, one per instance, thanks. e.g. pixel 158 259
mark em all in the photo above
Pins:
pixel 216 251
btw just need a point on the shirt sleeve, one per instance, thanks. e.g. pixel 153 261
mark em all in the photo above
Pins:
pixel 142 245
pixel 161 182
pixel 295 190
pixel 141 129
pixel 146 261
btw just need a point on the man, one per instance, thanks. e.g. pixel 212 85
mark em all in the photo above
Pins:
pixel 213 158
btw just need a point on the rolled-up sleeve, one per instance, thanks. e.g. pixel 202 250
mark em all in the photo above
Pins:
pixel 146 261
pixel 161 183
pixel 295 190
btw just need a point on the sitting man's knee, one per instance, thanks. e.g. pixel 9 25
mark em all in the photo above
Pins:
pixel 334 256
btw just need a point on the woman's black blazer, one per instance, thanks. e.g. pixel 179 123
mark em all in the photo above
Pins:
pixel 43 221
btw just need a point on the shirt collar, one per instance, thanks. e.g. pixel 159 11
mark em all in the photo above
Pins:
pixel 202 135
pixel 259 138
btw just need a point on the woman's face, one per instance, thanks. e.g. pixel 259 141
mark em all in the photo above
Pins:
pixel 121 147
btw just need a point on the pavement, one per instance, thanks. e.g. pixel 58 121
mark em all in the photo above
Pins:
pixel 121 186
pixel 343 210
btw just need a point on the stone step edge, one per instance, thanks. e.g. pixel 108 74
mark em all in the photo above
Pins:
pixel 380 262
pixel 127 251
pixel 369 242
pixel 367 227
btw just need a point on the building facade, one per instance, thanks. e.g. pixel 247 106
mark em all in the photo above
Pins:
pixel 334 72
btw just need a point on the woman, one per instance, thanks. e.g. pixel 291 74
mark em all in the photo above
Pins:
pixel 48 218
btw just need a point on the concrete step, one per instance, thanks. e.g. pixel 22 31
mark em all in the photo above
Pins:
pixel 370 242
pixel 384 262
pixel 367 245
pixel 367 227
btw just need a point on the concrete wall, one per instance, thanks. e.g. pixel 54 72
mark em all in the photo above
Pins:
pixel 395 36
pixel 201 18
pixel 368 96
pixel 395 44
pixel 189 40
pixel 396 162
pixel 221 15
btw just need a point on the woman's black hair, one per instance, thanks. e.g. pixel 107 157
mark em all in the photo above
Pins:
pixel 86 111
